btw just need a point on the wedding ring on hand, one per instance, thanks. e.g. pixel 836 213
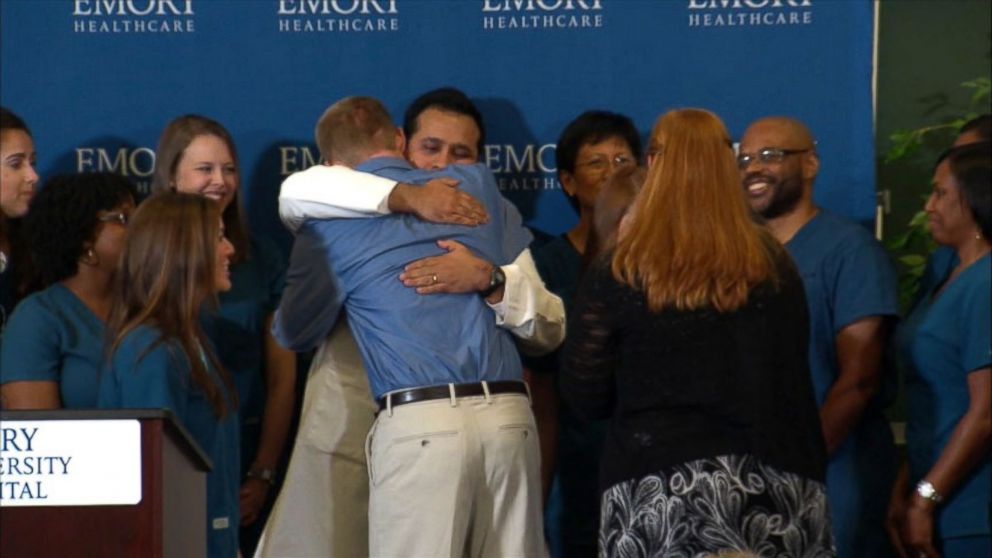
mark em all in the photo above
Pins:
pixel 434 279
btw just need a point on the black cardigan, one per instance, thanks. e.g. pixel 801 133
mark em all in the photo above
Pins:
pixel 687 385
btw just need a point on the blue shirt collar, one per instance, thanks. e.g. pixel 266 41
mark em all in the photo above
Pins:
pixel 377 164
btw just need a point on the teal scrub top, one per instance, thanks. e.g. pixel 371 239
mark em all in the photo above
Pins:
pixel 941 342
pixel 847 276
pixel 53 337
pixel 148 373
pixel 237 329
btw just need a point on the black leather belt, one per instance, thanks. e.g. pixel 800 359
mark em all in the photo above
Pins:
pixel 444 392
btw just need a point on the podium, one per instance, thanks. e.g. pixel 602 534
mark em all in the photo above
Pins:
pixel 128 482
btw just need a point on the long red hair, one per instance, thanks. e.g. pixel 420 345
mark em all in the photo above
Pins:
pixel 692 243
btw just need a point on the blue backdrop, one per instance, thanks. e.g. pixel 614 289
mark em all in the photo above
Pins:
pixel 97 80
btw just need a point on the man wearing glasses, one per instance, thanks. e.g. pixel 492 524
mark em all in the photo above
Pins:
pixel 851 295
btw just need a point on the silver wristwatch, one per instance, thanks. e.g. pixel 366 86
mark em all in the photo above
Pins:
pixel 928 492
pixel 496 280
pixel 262 474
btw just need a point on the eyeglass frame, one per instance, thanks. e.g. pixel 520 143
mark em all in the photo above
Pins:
pixel 598 164
pixel 767 155
pixel 120 218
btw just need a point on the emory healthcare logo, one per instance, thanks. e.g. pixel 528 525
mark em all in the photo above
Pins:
pixel 506 15
pixel 296 158
pixel 528 167
pixel 135 163
pixel 133 16
pixel 337 16
pixel 749 13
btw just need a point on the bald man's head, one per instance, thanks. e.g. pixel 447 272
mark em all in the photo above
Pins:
pixel 784 129
pixel 778 165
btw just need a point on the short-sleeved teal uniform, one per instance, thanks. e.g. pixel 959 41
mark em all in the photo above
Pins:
pixel 848 277
pixel 53 337
pixel 238 331
pixel 941 342
pixel 148 373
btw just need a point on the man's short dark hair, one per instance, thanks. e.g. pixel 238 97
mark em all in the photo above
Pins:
pixel 447 99
pixel 981 125
pixel 591 127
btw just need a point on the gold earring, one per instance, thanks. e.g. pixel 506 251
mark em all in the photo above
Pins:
pixel 89 257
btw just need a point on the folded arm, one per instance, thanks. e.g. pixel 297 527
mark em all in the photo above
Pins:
pixel 338 192
pixel 523 304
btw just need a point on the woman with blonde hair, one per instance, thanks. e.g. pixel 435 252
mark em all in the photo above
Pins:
pixel 196 155
pixel 175 260
pixel 690 335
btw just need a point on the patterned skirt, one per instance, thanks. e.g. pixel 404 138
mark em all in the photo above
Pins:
pixel 731 505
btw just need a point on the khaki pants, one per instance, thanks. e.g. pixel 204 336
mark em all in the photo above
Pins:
pixel 456 478
pixel 321 511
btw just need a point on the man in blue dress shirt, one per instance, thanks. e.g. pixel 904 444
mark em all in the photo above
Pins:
pixel 851 293
pixel 453 455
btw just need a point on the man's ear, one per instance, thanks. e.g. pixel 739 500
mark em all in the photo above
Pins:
pixel 567 182
pixel 811 166
pixel 400 141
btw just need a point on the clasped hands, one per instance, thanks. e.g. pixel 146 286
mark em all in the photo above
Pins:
pixel 458 270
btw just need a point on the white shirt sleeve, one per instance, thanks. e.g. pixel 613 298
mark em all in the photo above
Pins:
pixel 332 192
pixel 534 315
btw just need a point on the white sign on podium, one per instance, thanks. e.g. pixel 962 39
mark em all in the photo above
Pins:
pixel 70 462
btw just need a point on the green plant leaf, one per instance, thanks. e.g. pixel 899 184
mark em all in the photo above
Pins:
pixel 913 260
pixel 899 242
pixel 920 220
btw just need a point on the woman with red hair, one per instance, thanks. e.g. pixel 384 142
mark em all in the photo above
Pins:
pixel 691 335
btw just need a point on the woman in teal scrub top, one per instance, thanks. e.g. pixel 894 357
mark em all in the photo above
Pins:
pixel 197 155
pixel 53 344
pixel 175 261
pixel 940 503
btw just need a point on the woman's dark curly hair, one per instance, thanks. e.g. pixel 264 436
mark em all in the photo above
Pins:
pixel 62 220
